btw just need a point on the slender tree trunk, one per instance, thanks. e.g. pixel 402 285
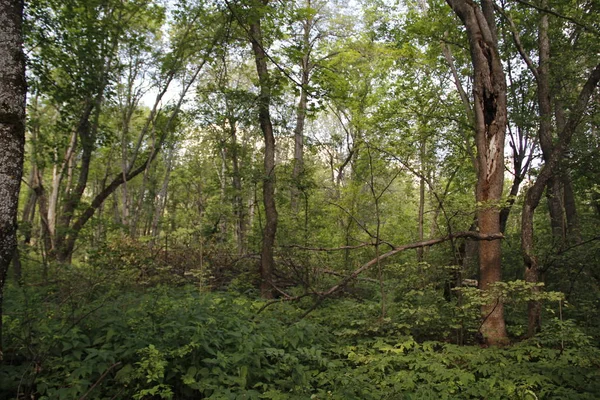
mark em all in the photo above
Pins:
pixel 222 228
pixel 514 191
pixel 570 207
pixel 57 176
pixel 86 132
pixel 301 113
pixel 29 209
pixel 161 199
pixel 12 132
pixel 264 101
pixel 573 227
pixel 489 90
pixel 553 189
pixel 43 211
pixel 238 202
pixel 421 217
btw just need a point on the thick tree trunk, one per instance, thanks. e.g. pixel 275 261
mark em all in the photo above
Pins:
pixel 489 89
pixel 13 90
pixel 264 100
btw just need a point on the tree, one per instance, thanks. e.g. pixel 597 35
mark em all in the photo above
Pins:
pixel 81 74
pixel 535 192
pixel 557 122
pixel 264 116
pixel 489 91
pixel 13 89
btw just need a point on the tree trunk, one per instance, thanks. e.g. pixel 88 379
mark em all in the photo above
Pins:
pixel 489 90
pixel 161 198
pixel 301 114
pixel 514 191
pixel 421 216
pixel 57 175
pixel 264 101
pixel 29 208
pixel 43 207
pixel 13 89
pixel 535 192
pixel 86 134
pixel 238 202
pixel 553 189
pixel 573 228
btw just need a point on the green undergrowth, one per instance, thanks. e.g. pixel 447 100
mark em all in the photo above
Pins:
pixel 180 343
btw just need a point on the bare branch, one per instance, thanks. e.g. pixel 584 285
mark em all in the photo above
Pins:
pixel 325 249
pixel 517 41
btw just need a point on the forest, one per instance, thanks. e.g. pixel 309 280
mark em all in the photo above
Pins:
pixel 299 199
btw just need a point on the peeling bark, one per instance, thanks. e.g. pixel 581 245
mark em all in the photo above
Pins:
pixel 489 90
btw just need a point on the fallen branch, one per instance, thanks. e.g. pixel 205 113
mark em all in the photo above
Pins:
pixel 395 250
pixel 100 379
pixel 425 243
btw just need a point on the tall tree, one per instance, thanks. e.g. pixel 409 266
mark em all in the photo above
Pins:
pixel 535 192
pixel 306 63
pixel 81 74
pixel 264 116
pixel 13 90
pixel 489 92
pixel 554 93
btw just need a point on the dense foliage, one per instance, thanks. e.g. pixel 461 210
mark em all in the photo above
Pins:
pixel 96 336
pixel 251 199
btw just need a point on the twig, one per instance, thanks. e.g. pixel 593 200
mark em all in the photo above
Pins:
pixel 335 273
pixel 578 244
pixel 556 14
pixel 325 249
pixel 100 379
pixel 518 44
pixel 283 299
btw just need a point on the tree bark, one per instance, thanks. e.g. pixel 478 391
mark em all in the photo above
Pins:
pixel 553 189
pixel 13 89
pixel 489 90
pixel 264 116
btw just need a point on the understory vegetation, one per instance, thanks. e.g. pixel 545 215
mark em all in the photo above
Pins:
pixel 142 329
